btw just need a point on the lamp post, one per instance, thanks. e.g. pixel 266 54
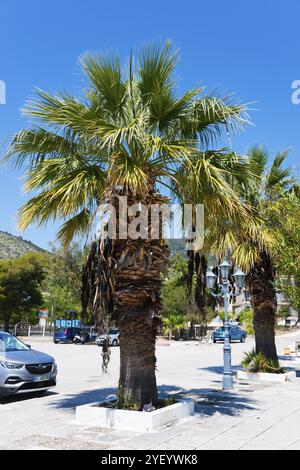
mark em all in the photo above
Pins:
pixel 239 277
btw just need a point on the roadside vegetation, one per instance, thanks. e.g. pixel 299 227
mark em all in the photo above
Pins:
pixel 21 289
pixel 257 362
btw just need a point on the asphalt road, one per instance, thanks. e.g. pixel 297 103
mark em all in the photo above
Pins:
pixel 188 367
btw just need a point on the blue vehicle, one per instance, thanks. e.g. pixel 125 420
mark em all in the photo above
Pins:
pixel 66 335
pixel 235 334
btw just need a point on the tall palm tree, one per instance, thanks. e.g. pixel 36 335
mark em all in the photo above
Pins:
pixel 237 173
pixel 128 135
pixel 251 245
pixel 274 182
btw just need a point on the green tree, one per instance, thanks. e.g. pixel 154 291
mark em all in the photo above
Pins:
pixel 20 288
pixel 253 247
pixel 129 135
pixel 62 284
pixel 175 296
pixel 286 212
pixel 175 302
pixel 283 312
pixel 275 181
pixel 173 323
pixel 200 186
pixel 245 317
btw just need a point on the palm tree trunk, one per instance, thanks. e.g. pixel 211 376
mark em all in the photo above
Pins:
pixel 123 277
pixel 192 332
pixel 200 290
pixel 264 304
pixel 137 384
pixel 137 288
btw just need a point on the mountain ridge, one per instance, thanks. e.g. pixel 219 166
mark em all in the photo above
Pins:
pixel 13 246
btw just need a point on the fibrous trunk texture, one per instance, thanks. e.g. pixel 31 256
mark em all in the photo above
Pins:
pixel 137 382
pixel 122 277
pixel 264 304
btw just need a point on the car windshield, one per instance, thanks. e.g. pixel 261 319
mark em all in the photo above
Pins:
pixel 221 329
pixel 113 332
pixel 9 343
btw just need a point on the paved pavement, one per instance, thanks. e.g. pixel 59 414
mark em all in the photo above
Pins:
pixel 252 417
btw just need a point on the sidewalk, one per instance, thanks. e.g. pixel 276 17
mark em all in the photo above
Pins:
pixel 252 417
pixel 266 418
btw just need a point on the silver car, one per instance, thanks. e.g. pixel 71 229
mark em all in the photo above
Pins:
pixel 23 370
pixel 112 335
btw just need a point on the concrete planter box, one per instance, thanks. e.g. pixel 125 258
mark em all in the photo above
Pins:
pixel 95 415
pixel 266 377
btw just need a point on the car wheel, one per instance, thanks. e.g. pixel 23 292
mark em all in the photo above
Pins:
pixel 214 340
pixel 243 339
pixel 229 339
pixel 114 343
pixel 55 342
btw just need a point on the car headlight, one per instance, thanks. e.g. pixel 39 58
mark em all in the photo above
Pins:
pixel 11 365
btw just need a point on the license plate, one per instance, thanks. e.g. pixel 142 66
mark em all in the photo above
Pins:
pixel 41 378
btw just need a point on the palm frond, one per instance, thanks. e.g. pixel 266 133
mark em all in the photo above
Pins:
pixel 131 129
pixel 105 74
pixel 156 65
pixel 31 147
pixel 210 116
pixel 76 226
pixel 278 175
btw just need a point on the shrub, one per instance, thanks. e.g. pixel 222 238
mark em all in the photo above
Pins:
pixel 257 362
pixel 246 319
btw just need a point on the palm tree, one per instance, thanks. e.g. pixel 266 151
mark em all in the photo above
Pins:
pixel 274 182
pixel 173 322
pixel 129 135
pixel 237 173
pixel 251 245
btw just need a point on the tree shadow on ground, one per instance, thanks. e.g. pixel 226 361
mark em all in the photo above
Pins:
pixel 5 400
pixel 207 401
pixel 211 401
pixel 70 401
pixel 218 369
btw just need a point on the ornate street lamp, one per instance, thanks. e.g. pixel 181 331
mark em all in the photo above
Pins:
pixel 225 269
pixel 239 278
pixel 210 278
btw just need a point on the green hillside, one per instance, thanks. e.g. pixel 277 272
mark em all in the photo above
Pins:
pixel 13 247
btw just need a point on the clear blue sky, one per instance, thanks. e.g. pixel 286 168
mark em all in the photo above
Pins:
pixel 249 47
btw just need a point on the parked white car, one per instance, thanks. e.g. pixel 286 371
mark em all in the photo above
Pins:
pixel 113 336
